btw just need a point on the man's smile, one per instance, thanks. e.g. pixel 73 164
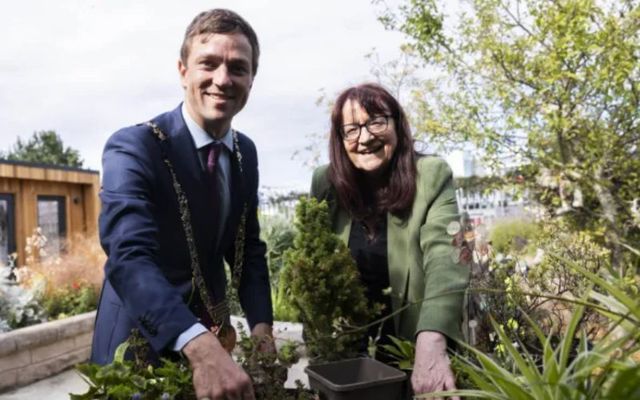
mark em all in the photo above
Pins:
pixel 219 96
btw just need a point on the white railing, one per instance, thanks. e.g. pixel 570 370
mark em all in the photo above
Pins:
pixel 485 208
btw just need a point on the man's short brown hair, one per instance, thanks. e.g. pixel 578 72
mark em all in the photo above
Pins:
pixel 220 20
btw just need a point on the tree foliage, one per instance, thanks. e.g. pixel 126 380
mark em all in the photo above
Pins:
pixel 550 86
pixel 44 147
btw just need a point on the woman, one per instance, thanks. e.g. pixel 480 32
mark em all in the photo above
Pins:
pixel 392 207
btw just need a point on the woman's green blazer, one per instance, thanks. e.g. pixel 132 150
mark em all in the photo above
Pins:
pixel 425 270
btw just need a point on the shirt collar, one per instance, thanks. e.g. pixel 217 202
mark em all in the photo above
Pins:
pixel 200 137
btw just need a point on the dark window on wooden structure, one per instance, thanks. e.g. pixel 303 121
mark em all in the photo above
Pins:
pixel 7 227
pixel 52 221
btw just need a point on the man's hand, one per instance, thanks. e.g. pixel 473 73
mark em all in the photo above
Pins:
pixel 431 370
pixel 264 333
pixel 215 375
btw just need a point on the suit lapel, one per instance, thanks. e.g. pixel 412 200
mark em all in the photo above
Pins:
pixel 238 197
pixel 183 155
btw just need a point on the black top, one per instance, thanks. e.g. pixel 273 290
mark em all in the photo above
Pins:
pixel 369 250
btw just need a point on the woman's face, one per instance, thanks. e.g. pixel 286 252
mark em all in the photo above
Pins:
pixel 369 152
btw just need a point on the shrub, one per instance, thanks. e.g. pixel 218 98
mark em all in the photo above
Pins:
pixel 70 282
pixel 516 286
pixel 571 366
pixel 324 286
pixel 513 235
pixel 81 261
pixel 73 299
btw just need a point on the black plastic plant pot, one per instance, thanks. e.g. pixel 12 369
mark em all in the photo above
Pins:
pixel 356 379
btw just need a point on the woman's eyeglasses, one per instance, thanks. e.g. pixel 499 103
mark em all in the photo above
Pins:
pixel 376 125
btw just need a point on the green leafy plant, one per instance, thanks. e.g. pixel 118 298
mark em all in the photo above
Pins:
pixel 402 352
pixel 278 234
pixel 133 379
pixel 137 379
pixel 572 367
pixel 513 235
pixel 515 286
pixel 567 370
pixel 324 286
pixel 549 85
pixel 77 298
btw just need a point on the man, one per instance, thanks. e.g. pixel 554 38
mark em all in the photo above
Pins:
pixel 151 282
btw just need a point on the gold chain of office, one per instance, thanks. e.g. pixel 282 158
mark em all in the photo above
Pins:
pixel 219 312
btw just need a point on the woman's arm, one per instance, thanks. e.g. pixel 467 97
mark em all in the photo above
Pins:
pixel 446 280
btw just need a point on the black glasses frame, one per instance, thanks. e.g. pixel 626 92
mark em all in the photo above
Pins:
pixel 366 125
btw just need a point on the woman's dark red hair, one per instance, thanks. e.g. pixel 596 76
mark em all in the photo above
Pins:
pixel 399 188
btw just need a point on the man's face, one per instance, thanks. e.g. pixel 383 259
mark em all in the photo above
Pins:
pixel 217 79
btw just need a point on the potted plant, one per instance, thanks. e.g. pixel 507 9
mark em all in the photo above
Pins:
pixel 325 289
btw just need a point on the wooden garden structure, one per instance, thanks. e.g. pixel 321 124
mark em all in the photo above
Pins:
pixel 62 201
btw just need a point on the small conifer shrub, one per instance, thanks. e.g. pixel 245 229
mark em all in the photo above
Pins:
pixel 324 286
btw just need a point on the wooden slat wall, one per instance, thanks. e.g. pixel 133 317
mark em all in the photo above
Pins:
pixel 80 190
pixel 91 203
pixel 46 174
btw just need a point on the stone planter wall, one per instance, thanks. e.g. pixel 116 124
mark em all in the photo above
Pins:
pixel 38 351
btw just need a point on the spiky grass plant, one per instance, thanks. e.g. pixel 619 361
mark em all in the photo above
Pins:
pixel 574 368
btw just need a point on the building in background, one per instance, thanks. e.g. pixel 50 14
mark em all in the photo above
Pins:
pixel 481 205
pixel 61 201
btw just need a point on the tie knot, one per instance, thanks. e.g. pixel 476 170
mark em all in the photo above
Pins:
pixel 212 158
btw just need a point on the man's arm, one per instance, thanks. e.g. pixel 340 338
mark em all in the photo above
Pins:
pixel 129 235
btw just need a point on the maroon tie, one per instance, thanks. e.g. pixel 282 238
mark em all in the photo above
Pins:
pixel 212 166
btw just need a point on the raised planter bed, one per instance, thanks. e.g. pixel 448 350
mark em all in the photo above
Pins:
pixel 39 351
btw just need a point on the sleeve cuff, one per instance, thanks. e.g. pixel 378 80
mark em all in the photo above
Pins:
pixel 185 337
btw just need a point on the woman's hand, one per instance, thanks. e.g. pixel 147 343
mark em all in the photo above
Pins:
pixel 432 370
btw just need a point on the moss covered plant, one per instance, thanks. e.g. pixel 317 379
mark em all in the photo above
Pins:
pixel 324 286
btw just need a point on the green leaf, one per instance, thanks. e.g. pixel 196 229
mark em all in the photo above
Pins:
pixel 501 380
pixel 567 339
pixel 528 370
pixel 120 352
pixel 466 393
pixel 626 385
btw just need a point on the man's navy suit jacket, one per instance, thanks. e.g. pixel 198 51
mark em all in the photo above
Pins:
pixel 147 273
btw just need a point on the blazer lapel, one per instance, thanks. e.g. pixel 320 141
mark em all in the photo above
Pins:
pixel 183 155
pixel 237 202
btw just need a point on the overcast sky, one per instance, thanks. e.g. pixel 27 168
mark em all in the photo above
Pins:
pixel 86 68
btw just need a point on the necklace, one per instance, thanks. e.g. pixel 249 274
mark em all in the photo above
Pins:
pixel 220 312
